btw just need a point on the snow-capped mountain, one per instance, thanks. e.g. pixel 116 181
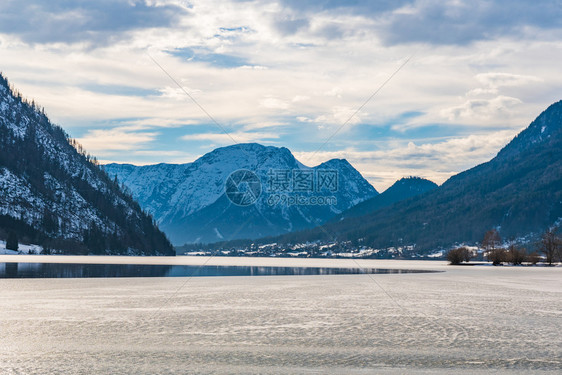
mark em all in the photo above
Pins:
pixel 191 204
pixel 52 193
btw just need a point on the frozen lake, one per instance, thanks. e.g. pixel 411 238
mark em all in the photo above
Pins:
pixel 472 319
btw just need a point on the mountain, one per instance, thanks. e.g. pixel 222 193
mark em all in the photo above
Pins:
pixel 519 192
pixel 54 194
pixel 194 202
pixel 401 190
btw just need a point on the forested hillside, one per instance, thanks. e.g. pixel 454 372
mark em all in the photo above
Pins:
pixel 54 194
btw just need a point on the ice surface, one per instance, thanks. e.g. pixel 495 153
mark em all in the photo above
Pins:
pixel 471 319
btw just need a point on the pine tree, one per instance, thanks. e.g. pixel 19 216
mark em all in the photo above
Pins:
pixel 12 242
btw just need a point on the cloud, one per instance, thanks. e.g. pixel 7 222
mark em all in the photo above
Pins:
pixel 438 22
pixel 436 161
pixel 341 115
pixel 101 140
pixel 274 103
pixel 204 55
pixel 83 21
pixel 461 22
pixel 275 72
pixel 148 157
pixel 352 6
pixel 233 137
pixel 496 80
pixel 179 94
pixel 482 109
pixel 290 26
pixel 119 90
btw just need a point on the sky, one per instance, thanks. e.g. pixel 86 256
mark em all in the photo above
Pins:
pixel 398 88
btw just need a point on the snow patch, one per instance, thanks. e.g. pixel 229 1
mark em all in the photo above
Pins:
pixel 22 249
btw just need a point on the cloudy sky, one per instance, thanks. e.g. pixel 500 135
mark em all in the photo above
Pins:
pixel 466 77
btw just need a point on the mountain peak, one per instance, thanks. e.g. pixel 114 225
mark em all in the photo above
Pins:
pixel 548 122
pixel 402 189
pixel 335 162
pixel 251 147
pixel 413 181
pixel 545 128
pixel 253 156
pixel 190 203
pixel 519 191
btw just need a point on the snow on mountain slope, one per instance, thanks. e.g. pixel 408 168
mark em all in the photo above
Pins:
pixel 53 193
pixel 189 203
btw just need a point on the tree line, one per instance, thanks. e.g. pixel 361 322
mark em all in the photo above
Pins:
pixel 550 245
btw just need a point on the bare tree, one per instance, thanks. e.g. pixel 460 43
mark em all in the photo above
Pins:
pixel 516 255
pixel 491 240
pixel 491 243
pixel 534 258
pixel 550 245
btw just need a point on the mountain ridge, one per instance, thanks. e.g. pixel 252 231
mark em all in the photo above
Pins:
pixel 519 192
pixel 186 199
pixel 55 194
pixel 404 188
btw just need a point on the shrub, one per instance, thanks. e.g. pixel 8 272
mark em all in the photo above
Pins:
pixel 516 255
pixel 458 255
pixel 497 256
pixel 534 258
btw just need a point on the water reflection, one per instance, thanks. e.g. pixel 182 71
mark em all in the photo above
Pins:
pixel 79 270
